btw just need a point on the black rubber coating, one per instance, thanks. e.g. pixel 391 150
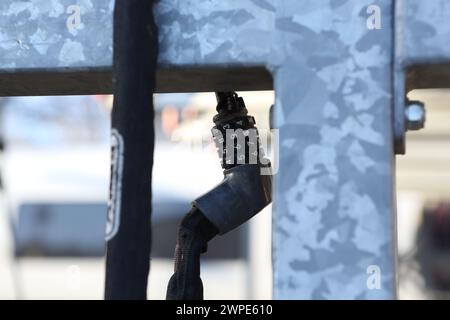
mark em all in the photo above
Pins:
pixel 193 236
pixel 135 58
pixel 242 193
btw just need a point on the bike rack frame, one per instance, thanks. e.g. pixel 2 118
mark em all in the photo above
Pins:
pixel 340 84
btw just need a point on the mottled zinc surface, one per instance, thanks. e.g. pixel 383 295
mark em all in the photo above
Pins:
pixel 215 32
pixel 334 207
pixel 423 31
pixel 35 34
pixel 45 34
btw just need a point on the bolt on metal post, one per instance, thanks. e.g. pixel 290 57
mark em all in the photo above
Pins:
pixel 415 115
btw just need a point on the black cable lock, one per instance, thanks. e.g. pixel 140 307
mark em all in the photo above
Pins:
pixel 128 220
pixel 244 191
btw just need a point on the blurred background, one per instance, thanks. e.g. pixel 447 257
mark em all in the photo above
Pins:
pixel 54 171
pixel 55 183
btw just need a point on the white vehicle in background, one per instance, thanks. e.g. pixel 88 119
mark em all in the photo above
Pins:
pixel 56 175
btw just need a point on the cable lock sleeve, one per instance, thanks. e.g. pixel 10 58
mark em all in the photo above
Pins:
pixel 244 191
pixel 193 235
pixel 128 227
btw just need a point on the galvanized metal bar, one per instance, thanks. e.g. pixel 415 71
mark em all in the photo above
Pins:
pixel 334 230
pixel 68 43
pixel 423 31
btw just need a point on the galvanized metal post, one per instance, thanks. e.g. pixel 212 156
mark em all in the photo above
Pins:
pixel 334 219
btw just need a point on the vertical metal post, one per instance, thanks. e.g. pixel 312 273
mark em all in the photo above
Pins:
pixel 334 233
